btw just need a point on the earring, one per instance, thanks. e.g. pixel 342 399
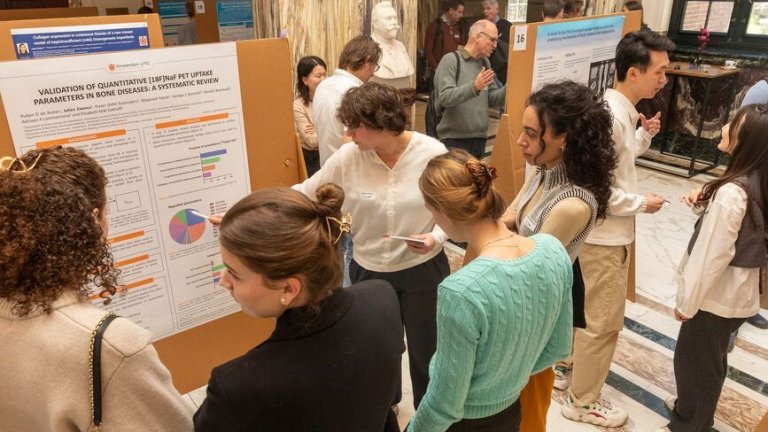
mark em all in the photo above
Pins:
pixel 282 300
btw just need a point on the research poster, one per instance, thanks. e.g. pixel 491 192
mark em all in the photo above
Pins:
pixel 167 127
pixel 582 51
pixel 235 19
pixel 173 14
pixel 84 39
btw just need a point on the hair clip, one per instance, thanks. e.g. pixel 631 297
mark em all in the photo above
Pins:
pixel 7 163
pixel 479 171
pixel 345 225
pixel 490 172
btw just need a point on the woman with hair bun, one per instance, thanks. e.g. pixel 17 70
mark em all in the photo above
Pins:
pixel 333 361
pixel 567 136
pixel 53 250
pixel 501 317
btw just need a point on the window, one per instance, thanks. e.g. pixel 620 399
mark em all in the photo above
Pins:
pixel 758 19
pixel 517 10
pixel 732 24
pixel 714 15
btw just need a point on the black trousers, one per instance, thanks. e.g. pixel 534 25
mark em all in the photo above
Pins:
pixel 505 421
pixel 416 288
pixel 311 161
pixel 701 364
pixel 473 146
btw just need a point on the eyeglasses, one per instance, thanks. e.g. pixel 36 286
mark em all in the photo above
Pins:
pixel 491 38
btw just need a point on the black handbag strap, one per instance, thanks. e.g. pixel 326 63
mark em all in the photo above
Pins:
pixel 95 359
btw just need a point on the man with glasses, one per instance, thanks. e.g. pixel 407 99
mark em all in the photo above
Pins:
pixel 467 95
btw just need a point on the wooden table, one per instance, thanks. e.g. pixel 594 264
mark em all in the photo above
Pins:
pixel 681 70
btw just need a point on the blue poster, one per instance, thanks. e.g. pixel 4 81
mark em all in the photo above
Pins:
pixel 58 41
pixel 235 19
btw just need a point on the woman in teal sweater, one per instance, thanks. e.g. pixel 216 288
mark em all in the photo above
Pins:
pixel 501 318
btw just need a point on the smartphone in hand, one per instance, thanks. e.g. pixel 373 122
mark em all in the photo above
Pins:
pixel 410 239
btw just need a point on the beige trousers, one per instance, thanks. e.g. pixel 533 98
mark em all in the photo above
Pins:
pixel 605 270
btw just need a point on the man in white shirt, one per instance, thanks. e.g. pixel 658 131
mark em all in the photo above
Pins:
pixel 358 61
pixel 641 59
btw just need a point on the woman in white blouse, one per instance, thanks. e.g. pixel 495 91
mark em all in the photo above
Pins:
pixel 719 276
pixel 309 72
pixel 379 173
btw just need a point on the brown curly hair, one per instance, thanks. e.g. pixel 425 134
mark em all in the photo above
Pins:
pixel 376 106
pixel 51 241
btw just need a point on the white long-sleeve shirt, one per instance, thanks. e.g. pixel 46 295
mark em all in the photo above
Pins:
pixel 618 228
pixel 325 105
pixel 706 281
pixel 383 201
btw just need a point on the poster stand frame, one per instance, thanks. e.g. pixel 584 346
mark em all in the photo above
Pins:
pixel 273 160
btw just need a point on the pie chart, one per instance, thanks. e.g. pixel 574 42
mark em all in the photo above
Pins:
pixel 186 227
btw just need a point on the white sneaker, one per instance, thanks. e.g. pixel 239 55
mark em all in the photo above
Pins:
pixel 600 412
pixel 670 402
pixel 563 377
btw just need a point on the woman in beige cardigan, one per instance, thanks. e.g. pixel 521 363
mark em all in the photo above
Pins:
pixel 53 226
pixel 309 72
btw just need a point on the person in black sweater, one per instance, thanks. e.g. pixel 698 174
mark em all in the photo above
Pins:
pixel 500 56
pixel 333 361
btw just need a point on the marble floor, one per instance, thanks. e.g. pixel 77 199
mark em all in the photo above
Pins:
pixel 641 374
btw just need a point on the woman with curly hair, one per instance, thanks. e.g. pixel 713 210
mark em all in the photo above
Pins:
pixel 500 317
pixel 567 136
pixel 53 224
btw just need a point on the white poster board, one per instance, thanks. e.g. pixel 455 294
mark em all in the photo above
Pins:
pixel 167 127
pixel 582 51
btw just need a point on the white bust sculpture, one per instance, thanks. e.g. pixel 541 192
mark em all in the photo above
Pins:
pixel 395 62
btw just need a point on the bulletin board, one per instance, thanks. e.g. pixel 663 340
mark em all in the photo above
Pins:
pixel 507 155
pixel 272 160
pixel 207 24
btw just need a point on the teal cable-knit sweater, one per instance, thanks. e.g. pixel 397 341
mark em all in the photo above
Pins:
pixel 498 323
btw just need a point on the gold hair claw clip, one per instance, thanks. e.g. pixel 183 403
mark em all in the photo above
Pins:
pixel 345 225
pixel 7 163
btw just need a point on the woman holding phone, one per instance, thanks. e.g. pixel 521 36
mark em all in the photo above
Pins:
pixel 719 276
pixel 379 172
pixel 501 317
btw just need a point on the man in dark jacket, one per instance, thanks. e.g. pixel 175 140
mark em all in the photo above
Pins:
pixel 445 34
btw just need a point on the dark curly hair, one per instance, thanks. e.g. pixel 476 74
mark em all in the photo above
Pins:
pixel 573 109
pixel 375 106
pixel 73 167
pixel 51 241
